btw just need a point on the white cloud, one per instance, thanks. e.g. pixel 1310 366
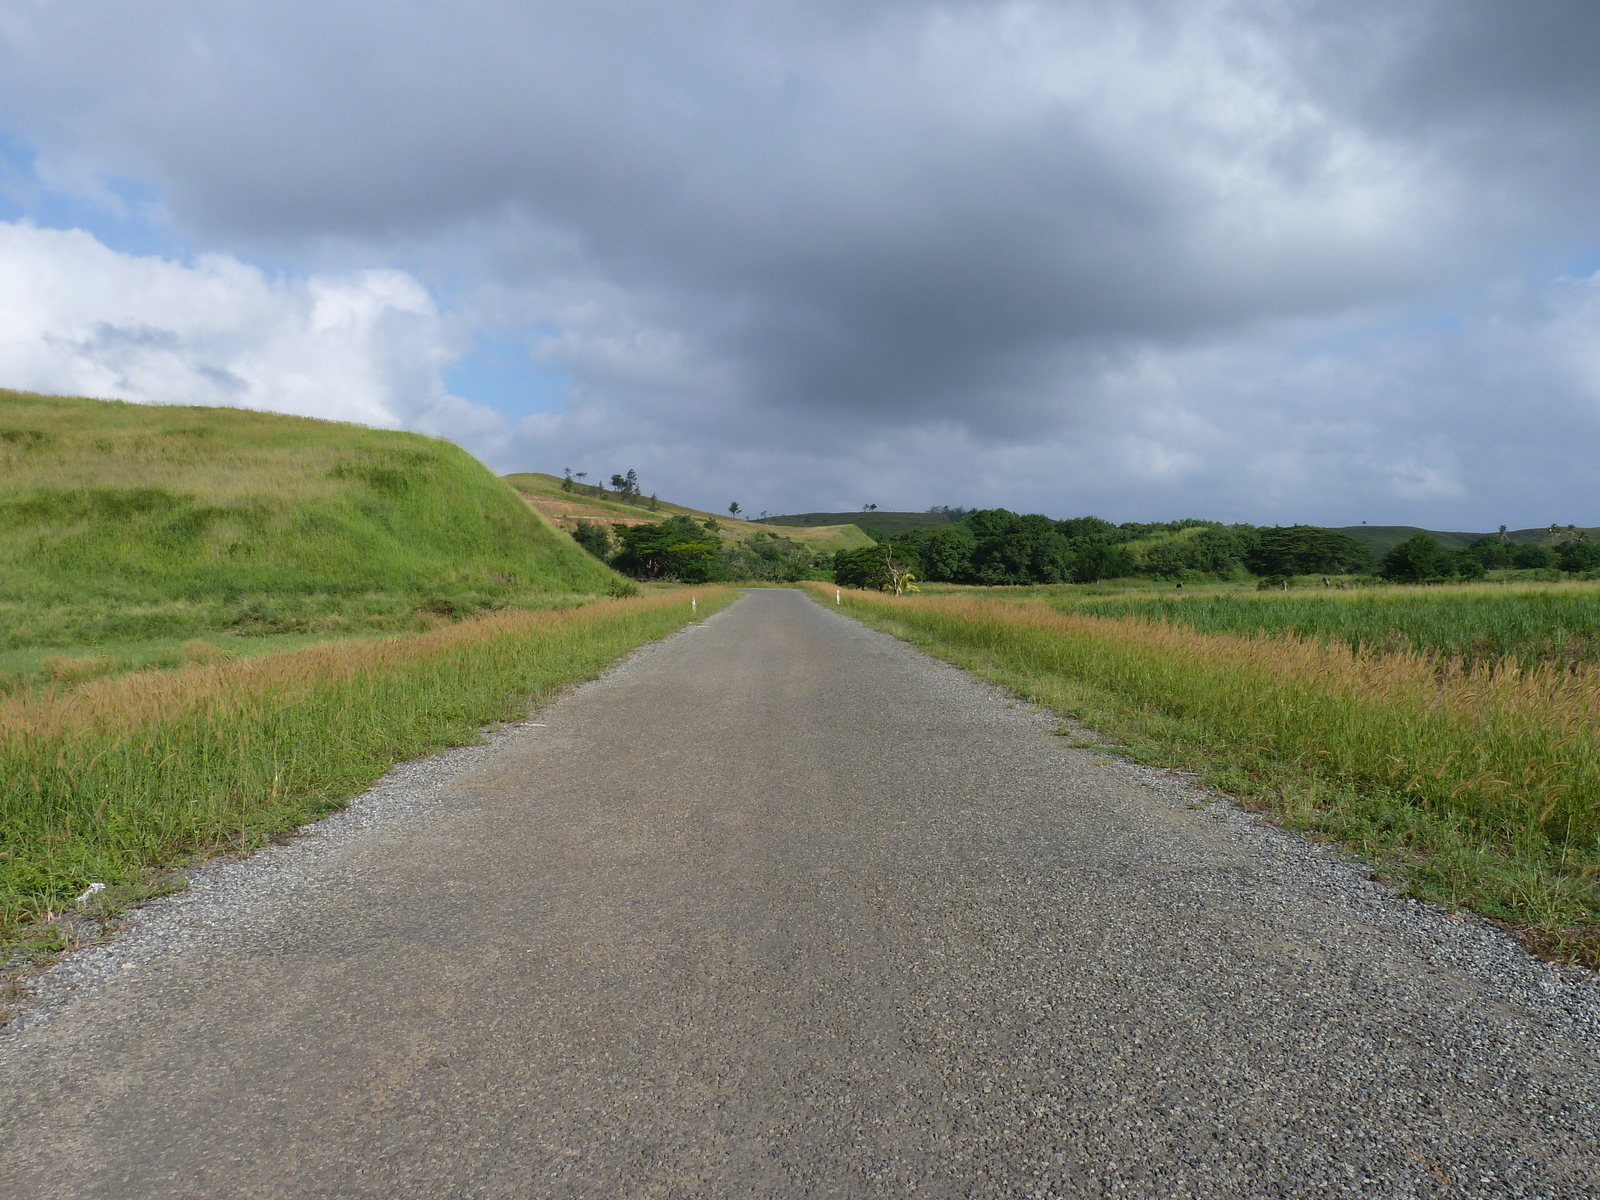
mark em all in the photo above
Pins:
pixel 79 318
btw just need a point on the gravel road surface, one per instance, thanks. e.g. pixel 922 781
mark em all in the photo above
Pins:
pixel 783 908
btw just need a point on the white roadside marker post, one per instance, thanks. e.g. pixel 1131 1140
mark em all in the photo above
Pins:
pixel 836 594
pixel 694 605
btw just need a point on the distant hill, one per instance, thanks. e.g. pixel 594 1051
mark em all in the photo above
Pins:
pixel 1380 539
pixel 139 520
pixel 587 502
pixel 891 523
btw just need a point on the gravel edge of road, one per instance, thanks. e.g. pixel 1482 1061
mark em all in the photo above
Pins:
pixel 234 887
pixel 1568 994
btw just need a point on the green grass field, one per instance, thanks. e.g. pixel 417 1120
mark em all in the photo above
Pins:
pixel 1469 779
pixel 127 530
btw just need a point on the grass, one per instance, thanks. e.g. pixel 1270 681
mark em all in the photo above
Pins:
pixel 1478 623
pixel 1471 782
pixel 127 530
pixel 116 780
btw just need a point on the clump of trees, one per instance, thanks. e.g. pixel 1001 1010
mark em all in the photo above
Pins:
pixel 887 568
pixel 684 550
pixel 625 485
pixel 679 548
pixel 1421 559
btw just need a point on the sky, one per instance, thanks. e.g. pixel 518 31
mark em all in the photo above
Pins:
pixel 1327 262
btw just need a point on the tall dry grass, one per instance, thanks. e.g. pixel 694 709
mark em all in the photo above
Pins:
pixel 1481 779
pixel 111 779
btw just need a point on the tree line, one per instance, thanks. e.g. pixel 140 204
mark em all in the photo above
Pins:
pixel 1422 559
pixel 996 547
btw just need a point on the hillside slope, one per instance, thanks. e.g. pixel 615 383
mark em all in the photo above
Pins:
pixel 123 521
pixel 891 523
pixel 565 509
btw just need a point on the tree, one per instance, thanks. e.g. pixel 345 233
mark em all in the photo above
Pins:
pixel 1307 550
pixel 1100 560
pixel 766 557
pixel 1532 558
pixel 677 548
pixel 1167 560
pixel 733 509
pixel 1018 549
pixel 1464 564
pixel 593 538
pixel 1578 555
pixel 884 567
pixel 1417 560
pixel 945 551
pixel 898 572
pixel 566 482
pixel 1491 551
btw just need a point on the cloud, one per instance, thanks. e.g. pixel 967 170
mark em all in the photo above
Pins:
pixel 1129 255
pixel 78 317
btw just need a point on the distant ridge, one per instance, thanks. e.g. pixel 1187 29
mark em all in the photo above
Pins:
pixel 1380 539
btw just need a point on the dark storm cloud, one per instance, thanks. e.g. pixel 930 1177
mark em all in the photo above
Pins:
pixel 766 219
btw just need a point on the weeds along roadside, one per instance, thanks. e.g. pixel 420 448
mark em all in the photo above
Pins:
pixel 118 778
pixel 1474 786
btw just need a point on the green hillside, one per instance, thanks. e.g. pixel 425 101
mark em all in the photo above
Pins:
pixel 1380 539
pixel 121 523
pixel 891 523
pixel 549 496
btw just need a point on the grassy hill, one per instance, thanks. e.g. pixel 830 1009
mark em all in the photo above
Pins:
pixel 1380 539
pixel 891 523
pixel 124 523
pixel 565 509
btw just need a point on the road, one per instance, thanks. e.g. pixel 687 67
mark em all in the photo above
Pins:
pixel 784 908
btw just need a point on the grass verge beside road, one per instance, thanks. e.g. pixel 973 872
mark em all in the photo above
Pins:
pixel 1473 784
pixel 113 780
